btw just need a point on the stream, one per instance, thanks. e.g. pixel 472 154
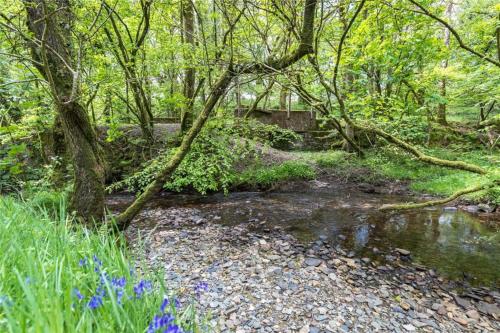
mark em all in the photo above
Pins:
pixel 453 242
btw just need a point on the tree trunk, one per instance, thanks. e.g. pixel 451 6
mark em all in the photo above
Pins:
pixel 219 89
pixel 283 98
pixel 189 73
pixel 441 112
pixel 50 22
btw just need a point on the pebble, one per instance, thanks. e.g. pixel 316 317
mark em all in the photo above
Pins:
pixel 403 252
pixel 270 283
pixel 312 262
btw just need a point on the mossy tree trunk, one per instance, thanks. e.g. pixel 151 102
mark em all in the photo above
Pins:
pixel 51 48
pixel 189 72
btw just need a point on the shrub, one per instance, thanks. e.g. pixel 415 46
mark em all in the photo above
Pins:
pixel 270 175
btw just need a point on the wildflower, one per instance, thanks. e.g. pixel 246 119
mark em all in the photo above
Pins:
pixel 166 302
pixel 200 287
pixel 97 261
pixel 118 282
pixel 119 296
pixel 160 322
pixel 142 287
pixel 78 294
pixel 27 280
pixel 173 329
pixel 83 262
pixel 95 302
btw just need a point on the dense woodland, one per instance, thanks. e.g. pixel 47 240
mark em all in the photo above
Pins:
pixel 147 96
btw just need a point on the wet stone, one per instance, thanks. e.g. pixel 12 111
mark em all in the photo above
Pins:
pixel 313 262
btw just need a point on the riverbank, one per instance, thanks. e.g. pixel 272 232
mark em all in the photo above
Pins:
pixel 382 171
pixel 270 282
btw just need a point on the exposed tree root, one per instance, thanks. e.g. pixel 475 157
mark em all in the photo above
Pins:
pixel 421 156
pixel 440 201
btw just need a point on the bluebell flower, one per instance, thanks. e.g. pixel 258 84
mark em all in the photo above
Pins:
pixel 173 329
pixel 142 287
pixel 97 261
pixel 95 302
pixel 159 322
pixel 200 287
pixel 83 262
pixel 101 290
pixel 119 296
pixel 118 282
pixel 166 302
pixel 78 294
pixel 103 277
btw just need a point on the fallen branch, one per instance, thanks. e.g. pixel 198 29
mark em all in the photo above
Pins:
pixel 421 156
pixel 440 201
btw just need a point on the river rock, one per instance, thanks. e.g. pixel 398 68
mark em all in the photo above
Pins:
pixel 491 309
pixel 315 262
pixel 473 314
pixel 281 290
pixel 403 252
pixel 462 302
pixel 461 320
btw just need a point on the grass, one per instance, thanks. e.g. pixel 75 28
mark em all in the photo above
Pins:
pixel 267 176
pixel 392 164
pixel 56 276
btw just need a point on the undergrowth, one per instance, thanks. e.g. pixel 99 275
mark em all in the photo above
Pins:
pixel 267 176
pixel 392 164
pixel 56 276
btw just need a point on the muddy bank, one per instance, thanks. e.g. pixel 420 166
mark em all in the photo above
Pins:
pixel 271 282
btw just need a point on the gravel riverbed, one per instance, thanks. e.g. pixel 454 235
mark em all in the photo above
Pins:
pixel 269 282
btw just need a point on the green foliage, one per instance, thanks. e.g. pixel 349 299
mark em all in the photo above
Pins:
pixel 413 129
pixel 330 159
pixel 41 268
pixel 211 163
pixel 273 135
pixel 267 176
pixel 390 163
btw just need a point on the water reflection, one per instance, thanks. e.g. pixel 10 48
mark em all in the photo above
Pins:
pixel 451 241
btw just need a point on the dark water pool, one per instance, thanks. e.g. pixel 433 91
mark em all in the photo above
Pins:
pixel 453 242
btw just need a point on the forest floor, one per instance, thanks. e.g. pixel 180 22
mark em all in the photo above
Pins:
pixel 269 282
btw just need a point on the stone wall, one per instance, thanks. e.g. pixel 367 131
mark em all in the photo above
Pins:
pixel 298 121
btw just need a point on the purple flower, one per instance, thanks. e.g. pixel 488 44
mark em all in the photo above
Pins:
pixel 200 287
pixel 95 302
pixel 78 294
pixel 118 282
pixel 173 329
pixel 83 262
pixel 160 322
pixel 166 302
pixel 97 261
pixel 119 296
pixel 101 290
pixel 142 287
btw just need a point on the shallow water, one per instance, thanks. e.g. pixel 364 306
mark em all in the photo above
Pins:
pixel 453 242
